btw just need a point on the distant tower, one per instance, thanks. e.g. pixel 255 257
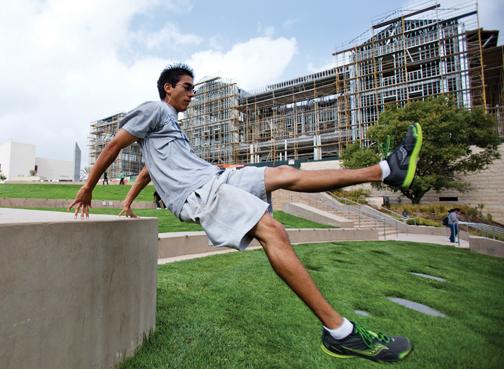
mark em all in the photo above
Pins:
pixel 77 163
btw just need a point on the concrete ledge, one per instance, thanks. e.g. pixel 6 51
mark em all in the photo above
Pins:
pixel 437 231
pixel 74 294
pixel 316 215
pixel 330 235
pixel 54 203
pixel 188 243
pixel 183 243
pixel 486 246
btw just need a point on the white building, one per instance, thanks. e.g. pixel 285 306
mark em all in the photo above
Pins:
pixel 18 162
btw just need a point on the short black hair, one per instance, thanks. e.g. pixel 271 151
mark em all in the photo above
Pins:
pixel 172 74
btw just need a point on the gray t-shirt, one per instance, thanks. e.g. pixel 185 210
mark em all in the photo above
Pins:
pixel 453 217
pixel 173 166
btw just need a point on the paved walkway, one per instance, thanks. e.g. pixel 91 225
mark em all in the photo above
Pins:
pixel 422 238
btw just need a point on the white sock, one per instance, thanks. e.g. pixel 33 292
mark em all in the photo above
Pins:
pixel 343 331
pixel 385 169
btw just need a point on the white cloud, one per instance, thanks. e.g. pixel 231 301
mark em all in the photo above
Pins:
pixel 251 64
pixel 169 37
pixel 61 67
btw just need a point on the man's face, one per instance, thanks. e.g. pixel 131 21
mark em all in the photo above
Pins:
pixel 180 95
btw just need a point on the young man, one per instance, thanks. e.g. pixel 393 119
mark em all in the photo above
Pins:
pixel 233 205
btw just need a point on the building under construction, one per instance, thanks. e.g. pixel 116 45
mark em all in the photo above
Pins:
pixel 408 55
pixel 129 160
pixel 212 121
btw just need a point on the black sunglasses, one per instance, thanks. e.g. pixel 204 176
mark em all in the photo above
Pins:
pixel 188 87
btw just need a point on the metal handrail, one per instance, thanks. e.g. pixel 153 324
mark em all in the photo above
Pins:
pixel 482 227
pixel 400 217
pixel 364 209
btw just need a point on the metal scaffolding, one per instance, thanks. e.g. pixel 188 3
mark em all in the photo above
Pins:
pixel 102 131
pixel 211 121
pixel 408 55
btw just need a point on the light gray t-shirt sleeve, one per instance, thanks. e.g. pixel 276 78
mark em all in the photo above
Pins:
pixel 142 120
pixel 452 218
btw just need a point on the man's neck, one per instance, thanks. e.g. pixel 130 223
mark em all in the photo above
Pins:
pixel 171 106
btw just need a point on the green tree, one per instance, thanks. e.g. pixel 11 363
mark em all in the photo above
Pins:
pixel 456 141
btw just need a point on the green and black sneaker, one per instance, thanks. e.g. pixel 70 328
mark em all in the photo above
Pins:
pixel 403 160
pixel 366 344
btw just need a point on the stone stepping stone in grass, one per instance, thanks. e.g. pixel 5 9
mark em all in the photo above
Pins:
pixel 417 306
pixel 362 313
pixel 428 276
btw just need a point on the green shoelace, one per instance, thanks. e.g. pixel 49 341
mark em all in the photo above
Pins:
pixel 369 336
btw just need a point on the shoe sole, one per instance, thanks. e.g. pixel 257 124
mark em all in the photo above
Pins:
pixel 330 353
pixel 402 356
pixel 412 164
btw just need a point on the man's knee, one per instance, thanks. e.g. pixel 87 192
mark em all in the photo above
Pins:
pixel 269 229
pixel 282 176
pixel 286 170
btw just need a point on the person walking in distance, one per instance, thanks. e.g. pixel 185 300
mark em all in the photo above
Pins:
pixel 453 219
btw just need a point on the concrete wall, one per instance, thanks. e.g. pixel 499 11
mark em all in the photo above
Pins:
pixel 186 243
pixel 324 164
pixel 5 158
pixel 55 203
pixel 17 159
pixel 316 215
pixel 50 169
pixel 486 187
pixel 74 294
pixel 486 246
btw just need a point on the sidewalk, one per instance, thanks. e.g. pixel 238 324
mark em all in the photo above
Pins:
pixel 424 238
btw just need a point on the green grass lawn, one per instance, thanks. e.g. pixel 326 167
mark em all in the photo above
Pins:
pixel 167 222
pixel 68 191
pixel 232 311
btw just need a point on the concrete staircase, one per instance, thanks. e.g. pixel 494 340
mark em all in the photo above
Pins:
pixel 361 219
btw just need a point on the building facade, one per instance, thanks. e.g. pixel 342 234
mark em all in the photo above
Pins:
pixel 19 163
pixel 405 56
pixel 129 162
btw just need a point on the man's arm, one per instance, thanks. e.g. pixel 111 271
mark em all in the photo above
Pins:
pixel 141 181
pixel 83 198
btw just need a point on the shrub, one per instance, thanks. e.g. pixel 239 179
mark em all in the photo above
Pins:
pixel 359 195
pixel 424 221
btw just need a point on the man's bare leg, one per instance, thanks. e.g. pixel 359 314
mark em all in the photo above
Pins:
pixel 357 342
pixel 273 238
pixel 398 171
pixel 288 178
pixel 340 338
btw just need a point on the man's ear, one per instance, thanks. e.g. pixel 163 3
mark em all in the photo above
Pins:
pixel 168 88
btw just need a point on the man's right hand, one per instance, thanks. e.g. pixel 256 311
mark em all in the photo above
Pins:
pixel 127 212
pixel 82 202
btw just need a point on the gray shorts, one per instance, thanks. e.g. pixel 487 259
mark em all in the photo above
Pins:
pixel 229 206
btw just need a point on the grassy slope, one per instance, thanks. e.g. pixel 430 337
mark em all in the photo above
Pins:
pixel 167 222
pixel 68 191
pixel 231 311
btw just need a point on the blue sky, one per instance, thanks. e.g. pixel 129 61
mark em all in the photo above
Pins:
pixel 66 63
